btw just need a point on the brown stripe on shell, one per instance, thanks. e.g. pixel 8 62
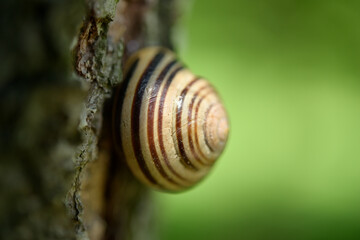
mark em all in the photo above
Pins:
pixel 196 116
pixel 205 130
pixel 191 143
pixel 135 117
pixel 161 107
pixel 118 105
pixel 184 158
pixel 150 126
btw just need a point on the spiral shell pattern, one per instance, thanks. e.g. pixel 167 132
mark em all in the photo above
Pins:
pixel 170 124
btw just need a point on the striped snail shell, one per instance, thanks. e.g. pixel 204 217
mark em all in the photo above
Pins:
pixel 169 123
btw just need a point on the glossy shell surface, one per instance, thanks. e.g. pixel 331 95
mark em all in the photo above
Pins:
pixel 170 124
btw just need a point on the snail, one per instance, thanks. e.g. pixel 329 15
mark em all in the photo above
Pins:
pixel 170 124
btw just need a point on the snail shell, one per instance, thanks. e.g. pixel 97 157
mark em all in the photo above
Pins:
pixel 169 123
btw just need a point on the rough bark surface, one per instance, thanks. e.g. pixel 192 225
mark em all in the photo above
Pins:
pixel 60 177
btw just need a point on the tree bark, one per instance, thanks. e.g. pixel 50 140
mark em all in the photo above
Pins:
pixel 60 62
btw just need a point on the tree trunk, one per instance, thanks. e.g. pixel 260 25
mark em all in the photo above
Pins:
pixel 60 61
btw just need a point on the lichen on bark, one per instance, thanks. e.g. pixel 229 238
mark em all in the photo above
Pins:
pixel 61 60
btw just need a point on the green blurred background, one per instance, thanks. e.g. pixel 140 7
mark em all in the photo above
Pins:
pixel 288 72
